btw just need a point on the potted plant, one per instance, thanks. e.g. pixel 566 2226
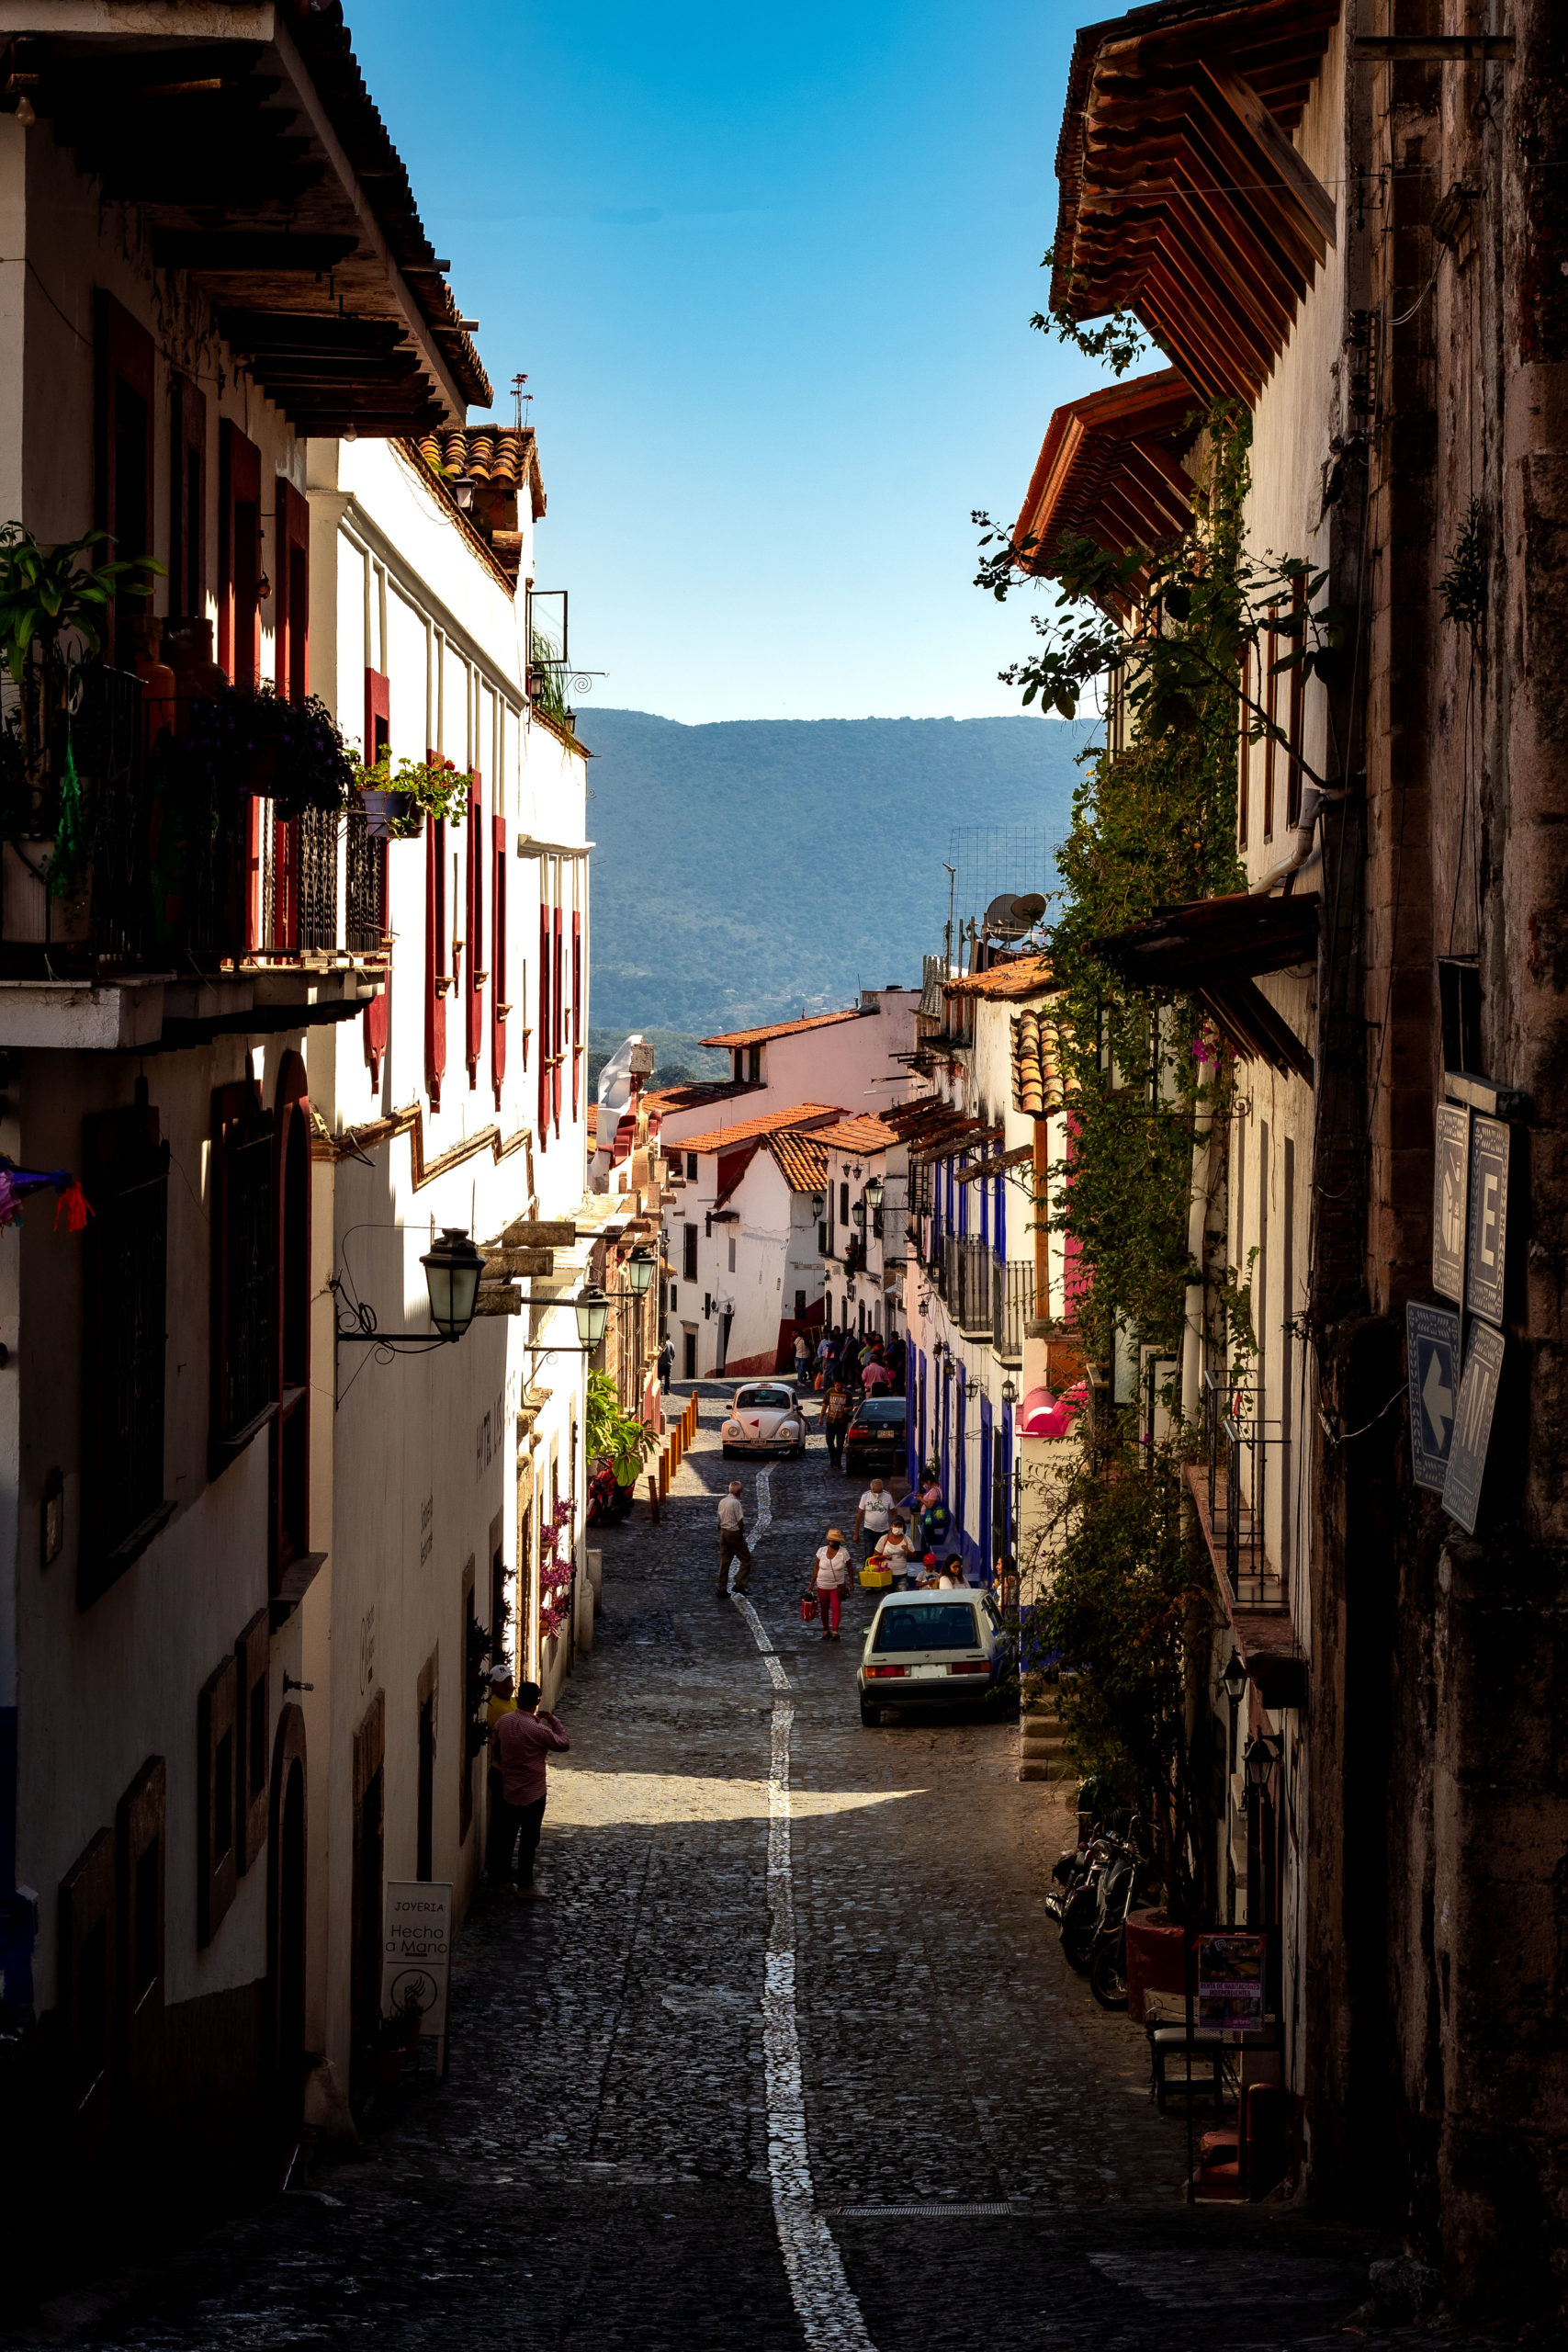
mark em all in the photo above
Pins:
pixel 395 804
pixel 251 742
pixel 55 604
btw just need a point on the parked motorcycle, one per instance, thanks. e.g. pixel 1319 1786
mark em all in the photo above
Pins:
pixel 1125 1885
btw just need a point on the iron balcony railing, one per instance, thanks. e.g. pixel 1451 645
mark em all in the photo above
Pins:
pixel 1012 1307
pixel 1243 1458
pixel 966 1283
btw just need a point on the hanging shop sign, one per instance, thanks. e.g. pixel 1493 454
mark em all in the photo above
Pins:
pixel 1432 1355
pixel 416 1949
pixel 1472 1424
pixel 1231 1975
pixel 1486 1255
pixel 1450 1188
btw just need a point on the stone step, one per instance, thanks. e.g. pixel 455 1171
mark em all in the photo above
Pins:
pixel 1044 1768
pixel 1048 1742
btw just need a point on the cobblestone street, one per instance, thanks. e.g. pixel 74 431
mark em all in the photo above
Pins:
pixel 595 2171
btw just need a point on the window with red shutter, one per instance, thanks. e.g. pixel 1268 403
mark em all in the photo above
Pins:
pixel 544 1009
pixel 244 1357
pixel 575 1006
pixel 291 1453
pixel 474 988
pixel 435 957
pixel 187 497
pixel 365 932
pixel 123 499
pixel 238 574
pixel 499 1009
pixel 558 1022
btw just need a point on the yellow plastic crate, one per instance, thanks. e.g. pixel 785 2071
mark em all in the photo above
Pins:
pixel 875 1579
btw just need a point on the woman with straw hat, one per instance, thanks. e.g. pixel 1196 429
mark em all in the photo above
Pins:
pixel 830 1573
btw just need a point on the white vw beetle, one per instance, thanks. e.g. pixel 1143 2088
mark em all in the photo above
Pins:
pixel 764 1418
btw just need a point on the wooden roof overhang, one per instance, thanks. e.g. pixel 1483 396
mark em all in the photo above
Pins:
pixel 1213 950
pixel 266 175
pixel 1183 198
pixel 1110 469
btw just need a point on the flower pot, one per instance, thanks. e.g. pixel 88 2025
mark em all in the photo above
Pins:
pixel 392 815
pixel 30 914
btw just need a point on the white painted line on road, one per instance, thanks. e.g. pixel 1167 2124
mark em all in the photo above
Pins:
pixel 776 1674
pixel 824 2304
pixel 764 1518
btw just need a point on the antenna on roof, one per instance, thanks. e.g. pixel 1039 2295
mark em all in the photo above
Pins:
pixel 519 396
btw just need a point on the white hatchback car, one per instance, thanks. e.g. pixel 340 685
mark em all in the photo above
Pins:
pixel 764 1418
pixel 930 1648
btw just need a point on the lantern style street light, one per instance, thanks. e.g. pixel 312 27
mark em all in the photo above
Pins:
pixel 874 1193
pixel 639 1271
pixel 592 1314
pixel 1010 1392
pixel 452 1271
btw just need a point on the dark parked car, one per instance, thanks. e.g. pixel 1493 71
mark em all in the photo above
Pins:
pixel 874 1439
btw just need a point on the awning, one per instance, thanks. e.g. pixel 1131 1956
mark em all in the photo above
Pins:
pixel 262 170
pixel 1182 197
pixel 1213 950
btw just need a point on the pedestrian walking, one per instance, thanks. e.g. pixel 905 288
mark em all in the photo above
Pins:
pixel 525 1740
pixel 732 1545
pixel 666 1361
pixel 895 1553
pixel 830 1573
pixel 802 1356
pixel 836 1420
pixel 501 1701
pixel 873 1514
pixel 936 1521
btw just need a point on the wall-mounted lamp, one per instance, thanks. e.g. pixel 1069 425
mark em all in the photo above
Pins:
pixel 463 492
pixel 452 1271
pixel 874 1193
pixel 1259 1760
pixel 1010 1392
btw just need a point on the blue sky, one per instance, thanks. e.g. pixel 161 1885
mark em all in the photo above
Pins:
pixel 770 274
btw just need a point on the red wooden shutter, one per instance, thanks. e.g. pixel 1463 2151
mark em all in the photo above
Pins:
pixel 474 993
pixel 558 1022
pixel 239 572
pixel 544 1016
pixel 499 1006
pixel 123 486
pixel 435 957
pixel 291 592
pixel 377 738
pixel 576 1004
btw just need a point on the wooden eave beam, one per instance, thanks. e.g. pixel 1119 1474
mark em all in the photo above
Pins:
pixel 1167 321
pixel 1250 172
pixel 1227 217
pixel 1245 273
pixel 1293 171
pixel 1236 352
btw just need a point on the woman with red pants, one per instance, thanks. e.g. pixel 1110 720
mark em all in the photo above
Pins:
pixel 831 1572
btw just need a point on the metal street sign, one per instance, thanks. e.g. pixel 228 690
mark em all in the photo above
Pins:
pixel 1431 1347
pixel 1486 1256
pixel 416 1951
pixel 1472 1427
pixel 1450 1191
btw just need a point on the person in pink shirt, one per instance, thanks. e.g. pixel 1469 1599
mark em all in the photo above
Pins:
pixel 524 1742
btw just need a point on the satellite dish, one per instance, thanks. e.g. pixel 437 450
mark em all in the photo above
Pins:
pixel 1008 917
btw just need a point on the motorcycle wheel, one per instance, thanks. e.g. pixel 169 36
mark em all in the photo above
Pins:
pixel 1108 1976
pixel 1081 1923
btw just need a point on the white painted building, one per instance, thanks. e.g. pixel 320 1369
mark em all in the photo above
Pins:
pixel 248 1573
pixel 862 1247
pixel 988 1288
pixel 856 1057
pixel 743 1254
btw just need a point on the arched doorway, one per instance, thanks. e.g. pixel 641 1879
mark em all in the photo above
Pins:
pixel 285 1929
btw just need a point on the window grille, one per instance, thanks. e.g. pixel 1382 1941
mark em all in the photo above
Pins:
pixel 318 879
pixel 366 892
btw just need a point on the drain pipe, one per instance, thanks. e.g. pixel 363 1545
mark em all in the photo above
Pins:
pixel 1315 797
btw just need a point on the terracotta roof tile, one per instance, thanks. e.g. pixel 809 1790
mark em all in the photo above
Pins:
pixel 1025 976
pixel 866 1133
pixel 788 1028
pixel 771 1123
pixel 498 459
pixel 696 1097
pixel 802 1159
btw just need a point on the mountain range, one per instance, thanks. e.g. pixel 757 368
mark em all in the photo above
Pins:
pixel 749 869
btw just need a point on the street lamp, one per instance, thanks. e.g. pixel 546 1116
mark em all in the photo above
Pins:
pixel 593 1313
pixel 1010 1392
pixel 452 1271
pixel 1259 1760
pixel 874 1193
pixel 639 1271
pixel 1232 1682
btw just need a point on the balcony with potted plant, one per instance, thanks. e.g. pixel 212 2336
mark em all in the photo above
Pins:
pixel 169 843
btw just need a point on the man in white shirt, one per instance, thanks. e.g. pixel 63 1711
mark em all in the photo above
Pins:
pixel 732 1543
pixel 874 1514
